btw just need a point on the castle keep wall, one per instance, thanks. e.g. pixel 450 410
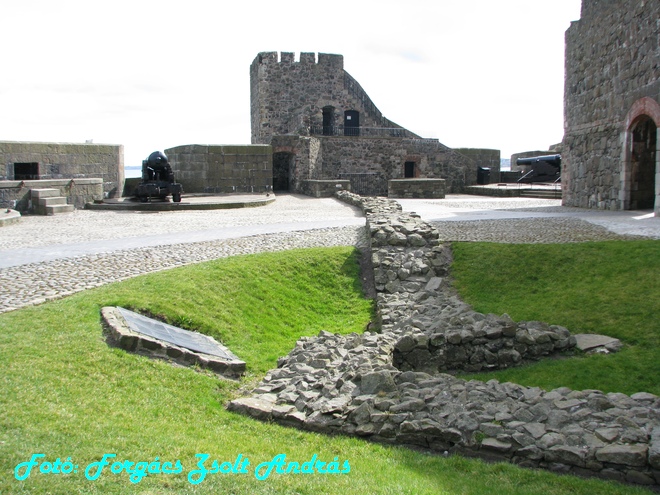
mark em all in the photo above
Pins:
pixel 387 156
pixel 299 108
pixel 57 161
pixel 611 63
pixel 288 96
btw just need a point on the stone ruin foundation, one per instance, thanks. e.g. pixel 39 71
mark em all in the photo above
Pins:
pixel 393 386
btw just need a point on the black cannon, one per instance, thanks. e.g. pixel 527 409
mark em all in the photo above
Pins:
pixel 546 168
pixel 158 179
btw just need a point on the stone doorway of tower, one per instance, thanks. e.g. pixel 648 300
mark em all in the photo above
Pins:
pixel 283 162
pixel 641 168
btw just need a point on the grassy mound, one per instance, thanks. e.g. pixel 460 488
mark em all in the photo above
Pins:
pixel 68 395
pixel 610 288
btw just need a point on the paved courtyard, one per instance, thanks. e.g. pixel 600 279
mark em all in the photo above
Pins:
pixel 43 258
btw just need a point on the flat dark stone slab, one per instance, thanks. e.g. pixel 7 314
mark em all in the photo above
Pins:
pixel 178 336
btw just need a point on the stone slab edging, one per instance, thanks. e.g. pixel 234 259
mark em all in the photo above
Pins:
pixel 349 384
pixel 188 203
pixel 124 337
pixel 9 216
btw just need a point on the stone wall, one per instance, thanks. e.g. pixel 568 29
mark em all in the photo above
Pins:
pixel 416 188
pixel 510 177
pixel 351 384
pixel 330 158
pixel 16 195
pixel 484 158
pixel 388 156
pixel 611 87
pixel 222 168
pixel 67 161
pixel 324 188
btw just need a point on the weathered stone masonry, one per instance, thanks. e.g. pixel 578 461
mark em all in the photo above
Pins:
pixel 322 125
pixel 390 387
pixel 57 161
pixel 610 156
pixel 213 169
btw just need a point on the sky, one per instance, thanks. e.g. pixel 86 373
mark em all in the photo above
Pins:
pixel 153 75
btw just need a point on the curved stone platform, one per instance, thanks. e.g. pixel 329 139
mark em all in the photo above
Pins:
pixel 188 202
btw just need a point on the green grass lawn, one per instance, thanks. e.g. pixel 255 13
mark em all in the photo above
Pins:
pixel 610 288
pixel 67 394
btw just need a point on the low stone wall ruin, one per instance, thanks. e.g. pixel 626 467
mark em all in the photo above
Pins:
pixel 390 387
pixel 324 188
pixel 416 188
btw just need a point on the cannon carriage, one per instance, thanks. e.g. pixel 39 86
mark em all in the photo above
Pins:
pixel 158 180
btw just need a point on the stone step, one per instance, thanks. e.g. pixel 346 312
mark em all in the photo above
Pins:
pixel 541 194
pixel 51 205
pixel 54 209
pixel 44 193
pixel 52 201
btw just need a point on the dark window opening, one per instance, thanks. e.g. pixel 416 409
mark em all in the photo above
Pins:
pixel 26 171
pixel 282 168
pixel 410 170
pixel 328 121
pixel 643 159
pixel 351 123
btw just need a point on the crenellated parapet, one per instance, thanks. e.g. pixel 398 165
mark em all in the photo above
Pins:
pixel 306 58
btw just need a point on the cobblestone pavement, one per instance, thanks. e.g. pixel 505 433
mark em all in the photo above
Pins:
pixel 133 243
pixel 35 283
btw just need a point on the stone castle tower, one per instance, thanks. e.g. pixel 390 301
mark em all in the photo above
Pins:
pixel 290 97
pixel 611 107
pixel 323 126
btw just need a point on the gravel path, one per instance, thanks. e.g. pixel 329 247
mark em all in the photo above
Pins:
pixel 527 231
pixel 89 226
pixel 296 222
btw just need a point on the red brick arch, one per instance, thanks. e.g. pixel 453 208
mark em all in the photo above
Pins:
pixel 643 107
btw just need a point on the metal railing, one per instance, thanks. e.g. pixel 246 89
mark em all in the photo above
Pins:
pixel 396 132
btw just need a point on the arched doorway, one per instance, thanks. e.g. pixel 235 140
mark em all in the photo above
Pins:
pixel 640 178
pixel 643 163
pixel 282 170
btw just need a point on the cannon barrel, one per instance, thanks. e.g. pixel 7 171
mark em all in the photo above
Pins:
pixel 549 159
